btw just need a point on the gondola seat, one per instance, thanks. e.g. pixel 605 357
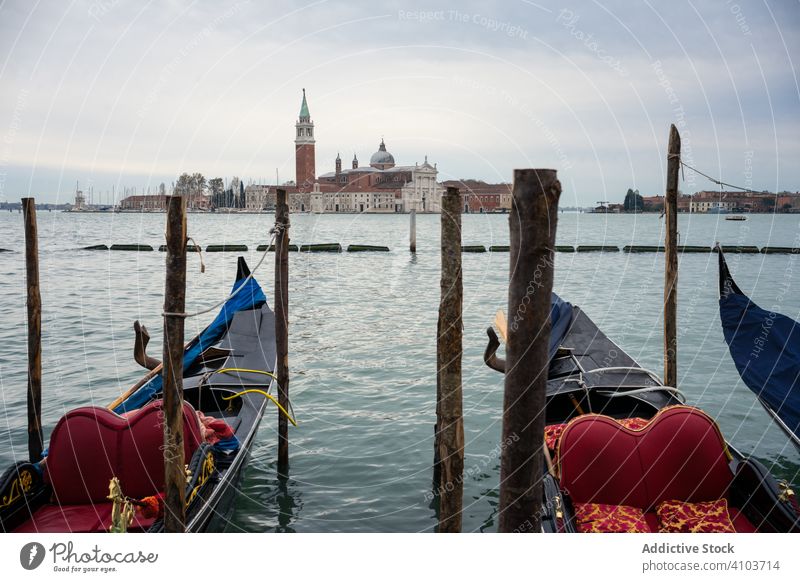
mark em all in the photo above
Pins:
pixel 88 447
pixel 679 455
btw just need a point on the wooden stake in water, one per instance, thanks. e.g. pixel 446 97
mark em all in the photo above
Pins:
pixel 174 303
pixel 449 419
pixel 413 232
pixel 282 322
pixel 534 210
pixel 34 331
pixel 671 258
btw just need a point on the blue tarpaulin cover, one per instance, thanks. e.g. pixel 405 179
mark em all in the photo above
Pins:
pixel 560 318
pixel 249 297
pixel 765 346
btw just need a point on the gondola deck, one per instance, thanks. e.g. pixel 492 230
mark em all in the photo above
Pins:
pixel 226 380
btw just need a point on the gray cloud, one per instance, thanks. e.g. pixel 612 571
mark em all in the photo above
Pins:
pixel 116 92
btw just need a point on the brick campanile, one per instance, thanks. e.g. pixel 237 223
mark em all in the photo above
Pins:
pixel 305 165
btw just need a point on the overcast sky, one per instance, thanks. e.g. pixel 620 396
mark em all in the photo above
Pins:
pixel 131 93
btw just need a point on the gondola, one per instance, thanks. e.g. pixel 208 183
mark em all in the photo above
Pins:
pixel 228 374
pixel 765 346
pixel 624 453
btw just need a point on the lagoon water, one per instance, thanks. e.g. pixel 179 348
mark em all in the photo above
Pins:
pixel 363 343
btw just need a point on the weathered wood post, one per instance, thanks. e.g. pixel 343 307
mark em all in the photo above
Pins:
pixel 282 322
pixel 671 258
pixel 534 211
pixel 34 331
pixel 412 237
pixel 449 410
pixel 174 306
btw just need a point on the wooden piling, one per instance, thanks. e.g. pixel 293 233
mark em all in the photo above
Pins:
pixel 671 266
pixel 449 438
pixel 282 323
pixel 174 303
pixel 413 232
pixel 534 211
pixel 34 301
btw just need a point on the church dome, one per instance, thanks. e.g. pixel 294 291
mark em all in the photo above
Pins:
pixel 382 159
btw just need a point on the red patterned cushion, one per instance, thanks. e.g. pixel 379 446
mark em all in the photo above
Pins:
pixel 703 517
pixel 635 423
pixel 603 518
pixel 552 432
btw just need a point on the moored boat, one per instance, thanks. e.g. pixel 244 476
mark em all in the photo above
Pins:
pixel 626 454
pixel 765 347
pixel 228 374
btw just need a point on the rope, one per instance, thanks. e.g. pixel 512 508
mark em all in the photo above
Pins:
pixel 239 288
pixel 263 393
pixel 199 252
pixel 720 182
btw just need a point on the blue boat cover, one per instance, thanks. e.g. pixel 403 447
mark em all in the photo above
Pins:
pixel 249 297
pixel 765 346
pixel 560 319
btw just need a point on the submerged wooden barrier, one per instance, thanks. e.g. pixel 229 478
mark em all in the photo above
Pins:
pixel 597 248
pixel 321 248
pixel 473 249
pixel 127 247
pixel 642 249
pixel 366 248
pixel 693 249
pixel 189 248
pixel 95 248
pixel 271 248
pixel 739 249
pixel 226 248
pixel 780 250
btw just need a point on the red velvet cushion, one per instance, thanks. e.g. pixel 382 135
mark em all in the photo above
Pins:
pixel 90 445
pixel 679 454
pixel 703 517
pixel 601 518
pixel 86 518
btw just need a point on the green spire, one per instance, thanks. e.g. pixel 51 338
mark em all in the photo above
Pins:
pixel 304 107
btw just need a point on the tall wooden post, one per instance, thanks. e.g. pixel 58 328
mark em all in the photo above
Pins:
pixel 534 211
pixel 449 418
pixel 174 302
pixel 671 257
pixel 34 331
pixel 282 322
pixel 412 236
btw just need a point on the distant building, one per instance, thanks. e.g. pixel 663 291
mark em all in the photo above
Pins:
pixel 158 202
pixel 479 197
pixel 381 187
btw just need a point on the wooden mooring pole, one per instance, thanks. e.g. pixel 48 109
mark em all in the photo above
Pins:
pixel 412 236
pixel 534 211
pixel 282 323
pixel 449 438
pixel 34 331
pixel 671 258
pixel 174 306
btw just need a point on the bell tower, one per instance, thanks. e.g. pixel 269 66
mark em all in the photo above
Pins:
pixel 305 165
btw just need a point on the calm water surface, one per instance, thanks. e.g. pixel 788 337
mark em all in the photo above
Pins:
pixel 363 343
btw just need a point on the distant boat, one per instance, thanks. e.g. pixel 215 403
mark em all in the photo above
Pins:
pixel 736 217
pixel 765 346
